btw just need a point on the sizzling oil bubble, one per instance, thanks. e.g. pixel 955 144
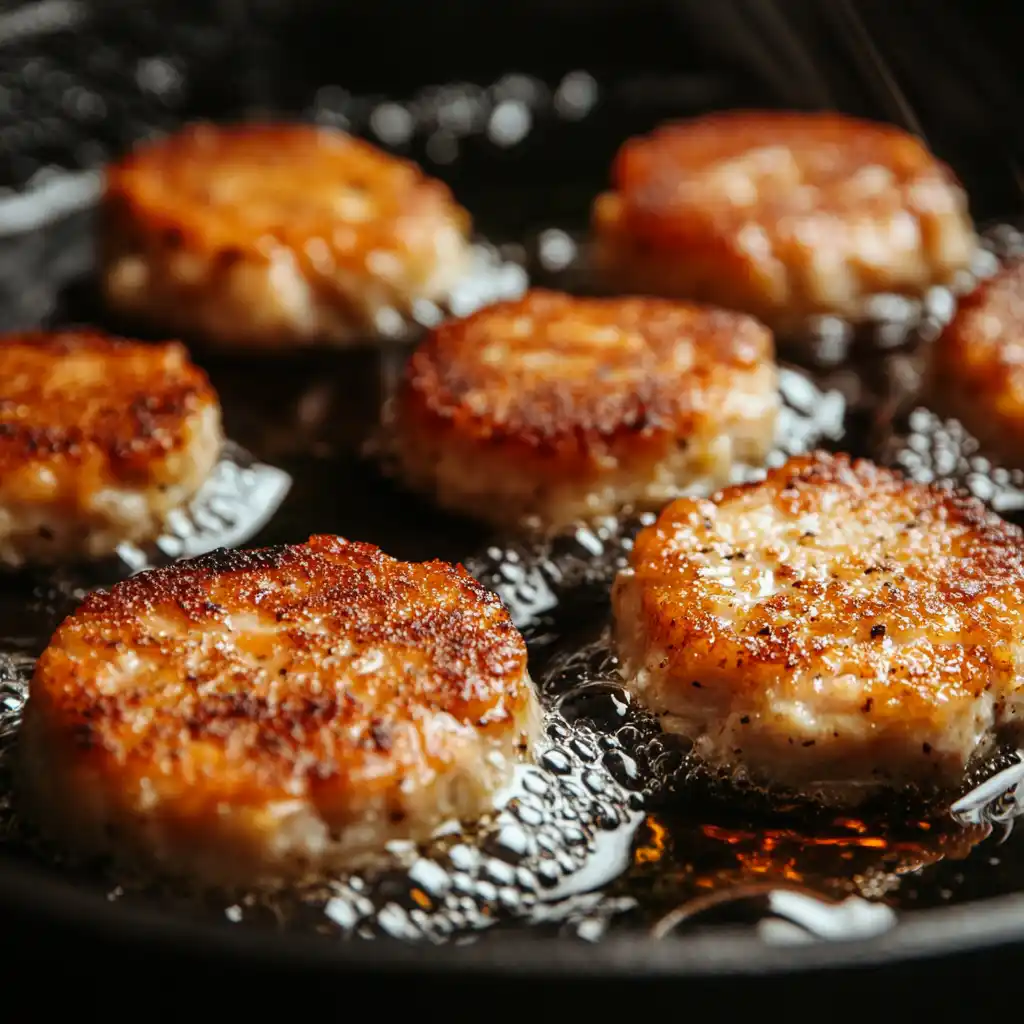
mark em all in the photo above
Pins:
pixel 553 838
pixel 929 449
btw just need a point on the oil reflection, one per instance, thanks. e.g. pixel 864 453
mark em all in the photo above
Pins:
pixel 689 872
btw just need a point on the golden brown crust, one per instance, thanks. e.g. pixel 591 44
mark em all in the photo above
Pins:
pixel 828 149
pixel 834 606
pixel 550 391
pixel 266 236
pixel 325 671
pixel 949 552
pixel 782 213
pixel 82 413
pixel 977 365
pixel 571 376
pixel 246 189
pixel 96 411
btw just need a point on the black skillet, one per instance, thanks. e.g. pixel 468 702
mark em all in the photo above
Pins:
pixel 85 80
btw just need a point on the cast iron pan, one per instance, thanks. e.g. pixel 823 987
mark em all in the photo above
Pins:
pixel 526 154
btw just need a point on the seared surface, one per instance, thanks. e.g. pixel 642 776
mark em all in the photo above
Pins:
pixel 257 714
pixel 833 630
pixel 275 235
pixel 99 439
pixel 977 366
pixel 784 215
pixel 557 408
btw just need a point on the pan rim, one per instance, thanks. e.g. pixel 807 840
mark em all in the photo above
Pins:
pixel 721 952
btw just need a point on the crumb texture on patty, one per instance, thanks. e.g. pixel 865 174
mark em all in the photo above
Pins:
pixel 260 714
pixel 786 215
pixel 832 630
pixel 275 235
pixel 561 408
pixel 977 366
pixel 100 438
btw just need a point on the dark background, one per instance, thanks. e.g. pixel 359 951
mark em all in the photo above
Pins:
pixel 956 62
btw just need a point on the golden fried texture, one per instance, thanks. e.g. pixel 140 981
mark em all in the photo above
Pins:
pixel 100 438
pixel 783 215
pixel 551 409
pixel 274 235
pixel 833 630
pixel 977 366
pixel 262 714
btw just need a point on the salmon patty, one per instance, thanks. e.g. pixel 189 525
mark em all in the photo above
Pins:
pixel 786 216
pixel 253 716
pixel 832 631
pixel 977 366
pixel 275 236
pixel 549 410
pixel 101 439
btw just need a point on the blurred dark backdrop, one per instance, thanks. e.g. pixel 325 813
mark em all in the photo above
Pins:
pixel 82 78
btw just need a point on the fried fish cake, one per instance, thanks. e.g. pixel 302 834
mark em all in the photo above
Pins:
pixel 977 366
pixel 275 236
pixel 260 715
pixel 783 215
pixel 551 409
pixel 832 631
pixel 100 439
